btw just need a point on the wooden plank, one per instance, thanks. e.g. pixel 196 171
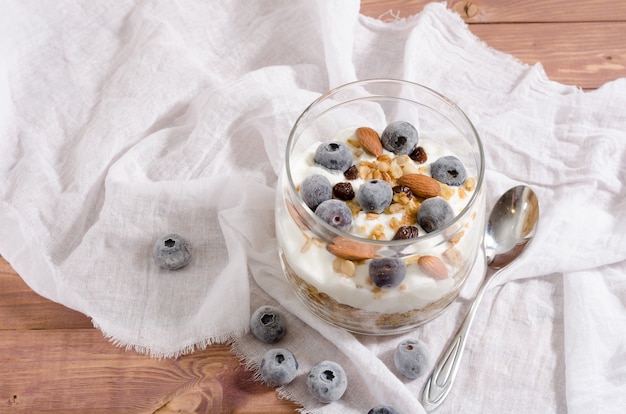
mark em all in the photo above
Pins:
pixel 21 308
pixel 77 371
pixel 587 54
pixel 506 11
pixel 584 54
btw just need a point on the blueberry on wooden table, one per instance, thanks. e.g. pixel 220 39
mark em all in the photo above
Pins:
pixel 172 251
pixel 268 324
pixel 278 367
pixel 327 381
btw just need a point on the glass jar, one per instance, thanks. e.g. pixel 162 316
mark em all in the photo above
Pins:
pixel 329 269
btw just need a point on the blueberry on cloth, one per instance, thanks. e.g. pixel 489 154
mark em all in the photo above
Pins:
pixel 327 381
pixel 315 189
pixel 434 213
pixel 411 358
pixel 387 271
pixel 383 409
pixel 336 213
pixel 172 251
pixel 448 170
pixel 268 324
pixel 334 156
pixel 399 137
pixel 374 196
pixel 278 367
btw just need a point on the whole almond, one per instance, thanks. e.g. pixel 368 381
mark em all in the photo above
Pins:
pixel 351 250
pixel 369 141
pixel 433 267
pixel 421 185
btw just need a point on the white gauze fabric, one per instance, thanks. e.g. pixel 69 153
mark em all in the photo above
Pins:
pixel 123 121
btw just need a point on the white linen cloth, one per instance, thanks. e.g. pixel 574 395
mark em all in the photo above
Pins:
pixel 122 121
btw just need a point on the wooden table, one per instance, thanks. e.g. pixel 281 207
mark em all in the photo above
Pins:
pixel 52 359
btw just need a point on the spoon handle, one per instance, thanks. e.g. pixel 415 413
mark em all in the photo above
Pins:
pixel 440 382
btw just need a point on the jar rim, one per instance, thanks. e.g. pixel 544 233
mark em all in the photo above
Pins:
pixel 359 83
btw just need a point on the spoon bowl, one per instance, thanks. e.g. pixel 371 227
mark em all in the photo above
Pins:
pixel 511 226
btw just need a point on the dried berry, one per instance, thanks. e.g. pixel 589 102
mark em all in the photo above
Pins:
pixel 403 189
pixel 406 232
pixel 351 173
pixel 418 155
pixel 343 191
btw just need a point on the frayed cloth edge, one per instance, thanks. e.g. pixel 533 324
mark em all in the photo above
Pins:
pixel 154 353
pixel 253 366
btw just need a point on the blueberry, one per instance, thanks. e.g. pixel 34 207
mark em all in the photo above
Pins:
pixel 448 170
pixel 327 381
pixel 334 156
pixel 434 213
pixel 172 251
pixel 278 367
pixel 399 137
pixel 336 213
pixel 411 358
pixel 315 189
pixel 383 409
pixel 268 324
pixel 387 271
pixel 374 196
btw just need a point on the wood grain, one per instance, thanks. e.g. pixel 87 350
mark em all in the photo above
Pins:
pixel 53 360
pixel 578 43
pixel 507 11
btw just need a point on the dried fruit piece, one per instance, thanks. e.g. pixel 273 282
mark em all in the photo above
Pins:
pixel 351 173
pixel 369 141
pixel 403 189
pixel 421 185
pixel 343 191
pixel 419 155
pixel 433 267
pixel 406 232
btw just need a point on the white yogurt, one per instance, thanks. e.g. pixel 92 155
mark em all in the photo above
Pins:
pixel 312 262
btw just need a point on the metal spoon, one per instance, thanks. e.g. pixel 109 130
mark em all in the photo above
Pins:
pixel 511 227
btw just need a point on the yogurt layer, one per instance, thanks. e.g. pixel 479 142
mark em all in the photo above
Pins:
pixel 348 281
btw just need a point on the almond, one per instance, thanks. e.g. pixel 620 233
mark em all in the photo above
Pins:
pixel 421 185
pixel 369 140
pixel 351 250
pixel 433 267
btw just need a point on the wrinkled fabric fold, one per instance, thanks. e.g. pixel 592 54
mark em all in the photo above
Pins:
pixel 121 122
